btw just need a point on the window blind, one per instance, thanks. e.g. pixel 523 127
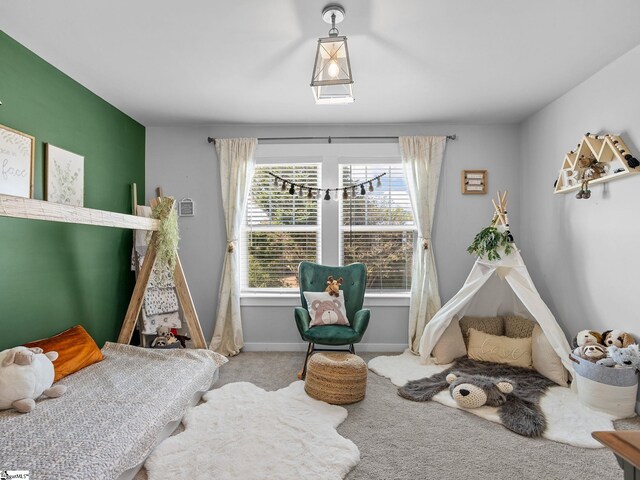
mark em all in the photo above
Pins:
pixel 377 228
pixel 280 230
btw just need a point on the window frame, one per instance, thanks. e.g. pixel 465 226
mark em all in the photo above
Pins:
pixel 330 156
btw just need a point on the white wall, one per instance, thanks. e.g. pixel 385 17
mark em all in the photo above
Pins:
pixel 184 164
pixel 584 255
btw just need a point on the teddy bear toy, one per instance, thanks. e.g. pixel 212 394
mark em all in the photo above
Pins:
pixel 25 374
pixel 478 390
pixel 333 286
pixel 164 338
pixel 617 338
pixel 587 337
pixel 593 353
pixel 622 357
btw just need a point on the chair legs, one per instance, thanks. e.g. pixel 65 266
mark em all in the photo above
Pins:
pixel 306 359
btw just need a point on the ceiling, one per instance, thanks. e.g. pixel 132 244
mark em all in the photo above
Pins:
pixel 250 61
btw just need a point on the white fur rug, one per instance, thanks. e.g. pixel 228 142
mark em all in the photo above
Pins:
pixel 244 432
pixel 568 421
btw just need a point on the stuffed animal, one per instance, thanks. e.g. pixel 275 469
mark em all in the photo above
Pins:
pixel 333 286
pixel 183 339
pixel 622 357
pixel 617 338
pixel 478 390
pixel 25 374
pixel 164 337
pixel 593 353
pixel 587 337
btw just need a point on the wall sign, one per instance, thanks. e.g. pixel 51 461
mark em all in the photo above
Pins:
pixel 17 151
pixel 474 182
pixel 186 208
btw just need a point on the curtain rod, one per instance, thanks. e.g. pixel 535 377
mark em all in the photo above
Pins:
pixel 328 139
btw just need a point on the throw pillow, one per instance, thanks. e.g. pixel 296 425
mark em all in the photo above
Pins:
pixel 516 326
pixel 76 350
pixel 325 309
pixel 545 359
pixel 499 349
pixel 450 345
pixel 491 325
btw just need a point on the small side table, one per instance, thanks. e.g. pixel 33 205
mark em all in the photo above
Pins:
pixel 626 447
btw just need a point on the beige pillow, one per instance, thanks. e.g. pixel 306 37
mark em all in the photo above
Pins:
pixel 499 349
pixel 518 327
pixel 545 359
pixel 450 345
pixel 491 325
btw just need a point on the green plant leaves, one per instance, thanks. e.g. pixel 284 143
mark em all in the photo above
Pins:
pixel 488 242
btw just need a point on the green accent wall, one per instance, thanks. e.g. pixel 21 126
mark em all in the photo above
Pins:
pixel 53 275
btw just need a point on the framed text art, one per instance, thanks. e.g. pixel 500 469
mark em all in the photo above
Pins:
pixel 474 181
pixel 65 177
pixel 17 152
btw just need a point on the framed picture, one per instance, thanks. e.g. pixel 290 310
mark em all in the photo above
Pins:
pixel 474 181
pixel 65 177
pixel 17 152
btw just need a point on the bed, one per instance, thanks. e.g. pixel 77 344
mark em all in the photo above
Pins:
pixel 112 415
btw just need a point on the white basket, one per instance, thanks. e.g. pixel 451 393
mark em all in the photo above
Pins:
pixel 608 389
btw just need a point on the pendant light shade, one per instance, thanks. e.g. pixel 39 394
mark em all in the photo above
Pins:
pixel 332 81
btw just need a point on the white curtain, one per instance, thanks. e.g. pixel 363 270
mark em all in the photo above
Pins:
pixel 236 172
pixel 421 160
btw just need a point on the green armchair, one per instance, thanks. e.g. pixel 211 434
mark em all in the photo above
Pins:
pixel 313 278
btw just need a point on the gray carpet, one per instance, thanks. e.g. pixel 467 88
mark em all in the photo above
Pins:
pixel 400 439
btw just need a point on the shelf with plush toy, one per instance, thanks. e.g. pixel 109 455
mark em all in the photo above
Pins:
pixel 596 159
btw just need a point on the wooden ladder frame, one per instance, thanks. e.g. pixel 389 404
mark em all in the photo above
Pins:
pixel 182 288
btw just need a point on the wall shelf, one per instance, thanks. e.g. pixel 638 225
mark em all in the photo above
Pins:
pixel 606 149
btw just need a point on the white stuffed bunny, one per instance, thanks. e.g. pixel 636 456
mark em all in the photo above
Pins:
pixel 25 374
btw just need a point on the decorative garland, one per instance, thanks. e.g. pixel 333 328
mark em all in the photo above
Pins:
pixel 345 190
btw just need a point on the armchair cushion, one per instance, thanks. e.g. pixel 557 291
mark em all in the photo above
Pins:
pixel 332 335
pixel 325 309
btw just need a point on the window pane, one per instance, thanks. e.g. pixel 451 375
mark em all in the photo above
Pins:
pixel 388 204
pixel 280 229
pixel 387 255
pixel 377 228
pixel 270 205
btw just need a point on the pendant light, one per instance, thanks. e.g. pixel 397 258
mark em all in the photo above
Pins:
pixel 332 81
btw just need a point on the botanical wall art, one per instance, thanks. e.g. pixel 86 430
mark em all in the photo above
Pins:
pixel 65 177
pixel 16 162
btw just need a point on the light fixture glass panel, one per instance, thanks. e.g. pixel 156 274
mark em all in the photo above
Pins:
pixel 332 80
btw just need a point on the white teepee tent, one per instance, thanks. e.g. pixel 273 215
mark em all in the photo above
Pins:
pixel 493 288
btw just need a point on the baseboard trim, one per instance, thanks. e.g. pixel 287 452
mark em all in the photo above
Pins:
pixel 302 347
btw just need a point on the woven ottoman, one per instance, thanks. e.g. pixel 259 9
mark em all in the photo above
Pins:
pixel 336 378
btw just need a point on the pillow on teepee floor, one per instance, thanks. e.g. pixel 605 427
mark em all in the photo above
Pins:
pixel 545 359
pixel 450 345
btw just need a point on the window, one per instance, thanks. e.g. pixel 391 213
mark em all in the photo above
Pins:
pixel 281 230
pixel 377 228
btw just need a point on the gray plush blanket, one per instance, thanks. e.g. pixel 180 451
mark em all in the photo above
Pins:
pixel 519 410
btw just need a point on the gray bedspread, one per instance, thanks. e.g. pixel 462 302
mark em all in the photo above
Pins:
pixel 110 417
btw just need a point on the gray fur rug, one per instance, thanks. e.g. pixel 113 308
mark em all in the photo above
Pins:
pixel 519 410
